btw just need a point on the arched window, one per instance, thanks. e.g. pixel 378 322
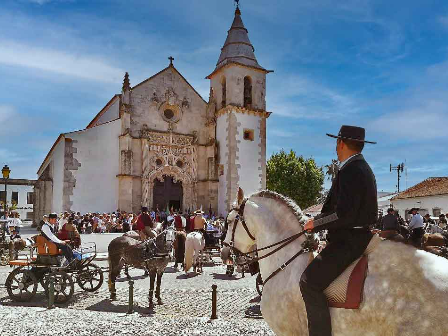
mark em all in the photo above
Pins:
pixel 224 92
pixel 247 92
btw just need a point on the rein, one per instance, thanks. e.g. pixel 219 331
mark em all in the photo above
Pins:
pixel 283 243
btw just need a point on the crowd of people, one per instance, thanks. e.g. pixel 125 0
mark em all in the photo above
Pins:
pixel 118 221
pixel 416 225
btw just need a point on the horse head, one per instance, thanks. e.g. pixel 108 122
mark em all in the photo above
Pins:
pixel 239 237
pixel 164 241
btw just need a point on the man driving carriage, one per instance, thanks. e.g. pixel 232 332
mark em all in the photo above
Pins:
pixel 349 209
pixel 48 231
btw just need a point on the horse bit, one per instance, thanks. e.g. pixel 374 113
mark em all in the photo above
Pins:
pixel 306 246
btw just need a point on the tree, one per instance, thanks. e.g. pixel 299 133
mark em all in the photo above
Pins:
pixel 295 177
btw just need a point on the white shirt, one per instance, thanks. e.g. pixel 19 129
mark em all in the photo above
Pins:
pixel 47 231
pixel 343 163
pixel 416 222
pixel 16 222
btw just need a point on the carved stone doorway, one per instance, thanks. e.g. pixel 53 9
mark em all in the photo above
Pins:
pixel 168 193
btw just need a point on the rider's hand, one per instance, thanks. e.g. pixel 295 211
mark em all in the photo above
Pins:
pixel 63 242
pixel 309 226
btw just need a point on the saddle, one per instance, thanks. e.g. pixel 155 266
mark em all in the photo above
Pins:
pixel 347 290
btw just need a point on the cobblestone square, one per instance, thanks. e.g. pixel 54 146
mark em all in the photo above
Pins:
pixel 186 309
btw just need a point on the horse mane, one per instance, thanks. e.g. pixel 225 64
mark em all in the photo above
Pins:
pixel 284 200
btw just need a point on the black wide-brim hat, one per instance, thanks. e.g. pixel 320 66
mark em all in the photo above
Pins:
pixel 53 215
pixel 144 209
pixel 354 133
pixel 410 211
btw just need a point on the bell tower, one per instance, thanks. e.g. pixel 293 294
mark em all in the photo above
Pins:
pixel 239 86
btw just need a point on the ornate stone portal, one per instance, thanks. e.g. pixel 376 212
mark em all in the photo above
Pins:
pixel 169 154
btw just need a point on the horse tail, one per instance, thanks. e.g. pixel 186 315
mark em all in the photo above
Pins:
pixel 189 251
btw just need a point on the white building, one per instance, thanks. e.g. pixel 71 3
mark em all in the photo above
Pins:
pixel 161 144
pixel 384 201
pixel 20 196
pixel 430 196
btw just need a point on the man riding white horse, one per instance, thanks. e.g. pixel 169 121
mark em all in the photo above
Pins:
pixel 350 208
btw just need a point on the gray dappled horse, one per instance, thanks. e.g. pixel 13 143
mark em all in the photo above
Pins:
pixel 152 255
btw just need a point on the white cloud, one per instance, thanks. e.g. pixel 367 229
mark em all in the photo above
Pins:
pixel 301 98
pixel 444 21
pixel 280 133
pixel 6 112
pixel 40 2
pixel 60 62
pixel 425 123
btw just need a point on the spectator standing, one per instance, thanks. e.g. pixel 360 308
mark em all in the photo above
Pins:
pixel 390 221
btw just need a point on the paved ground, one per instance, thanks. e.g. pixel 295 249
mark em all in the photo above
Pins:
pixel 186 309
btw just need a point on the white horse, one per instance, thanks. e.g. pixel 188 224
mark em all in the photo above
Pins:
pixel 194 245
pixel 405 293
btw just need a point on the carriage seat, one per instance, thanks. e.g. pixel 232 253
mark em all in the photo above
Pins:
pixel 46 247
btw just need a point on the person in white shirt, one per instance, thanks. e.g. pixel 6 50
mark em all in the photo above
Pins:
pixel 62 221
pixel 416 227
pixel 16 222
pixel 48 231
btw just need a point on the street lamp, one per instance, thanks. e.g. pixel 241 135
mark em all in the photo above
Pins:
pixel 5 172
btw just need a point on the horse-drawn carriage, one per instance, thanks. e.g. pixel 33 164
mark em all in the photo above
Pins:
pixel 212 244
pixel 23 281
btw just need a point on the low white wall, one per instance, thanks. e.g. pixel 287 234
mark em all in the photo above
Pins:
pixel 101 240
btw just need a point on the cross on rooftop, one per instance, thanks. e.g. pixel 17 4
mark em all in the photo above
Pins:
pixel 171 58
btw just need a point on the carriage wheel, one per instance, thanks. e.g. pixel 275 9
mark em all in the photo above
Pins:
pixel 21 285
pixel 63 286
pixel 90 278
pixel 259 284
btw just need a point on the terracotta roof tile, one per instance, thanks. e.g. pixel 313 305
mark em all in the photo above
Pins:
pixel 430 187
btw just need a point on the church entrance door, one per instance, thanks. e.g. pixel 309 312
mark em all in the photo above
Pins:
pixel 167 193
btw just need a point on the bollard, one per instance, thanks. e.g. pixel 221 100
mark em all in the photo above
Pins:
pixel 51 292
pixel 214 302
pixel 131 297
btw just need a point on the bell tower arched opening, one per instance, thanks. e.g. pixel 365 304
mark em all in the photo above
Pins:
pixel 247 92
pixel 224 92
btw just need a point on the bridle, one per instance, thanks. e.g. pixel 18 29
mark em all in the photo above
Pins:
pixel 306 247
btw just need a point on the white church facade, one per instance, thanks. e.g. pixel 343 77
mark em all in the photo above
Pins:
pixel 161 144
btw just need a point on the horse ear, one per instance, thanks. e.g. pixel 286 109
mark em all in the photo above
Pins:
pixel 240 196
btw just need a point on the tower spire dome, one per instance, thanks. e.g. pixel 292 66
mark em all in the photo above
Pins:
pixel 237 48
pixel 237 10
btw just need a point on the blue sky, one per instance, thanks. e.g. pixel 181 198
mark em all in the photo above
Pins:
pixel 382 65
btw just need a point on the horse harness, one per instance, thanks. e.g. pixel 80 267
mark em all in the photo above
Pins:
pixel 281 244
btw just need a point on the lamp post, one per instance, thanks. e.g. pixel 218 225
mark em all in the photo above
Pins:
pixel 5 172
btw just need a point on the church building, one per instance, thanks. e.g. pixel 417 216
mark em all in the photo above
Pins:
pixel 159 143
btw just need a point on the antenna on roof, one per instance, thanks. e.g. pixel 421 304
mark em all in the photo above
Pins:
pixel 399 170
pixel 406 173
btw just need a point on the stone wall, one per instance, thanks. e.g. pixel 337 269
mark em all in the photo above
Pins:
pixel 70 164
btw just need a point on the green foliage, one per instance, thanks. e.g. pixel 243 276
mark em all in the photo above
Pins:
pixel 295 177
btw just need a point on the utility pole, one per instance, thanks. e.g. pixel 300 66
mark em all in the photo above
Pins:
pixel 399 170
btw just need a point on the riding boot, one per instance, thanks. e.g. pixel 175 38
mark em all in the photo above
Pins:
pixel 319 319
